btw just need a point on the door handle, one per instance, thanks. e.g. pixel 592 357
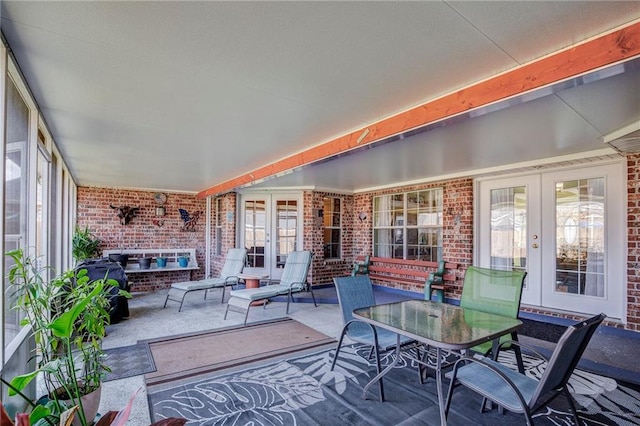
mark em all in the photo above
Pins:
pixel 534 245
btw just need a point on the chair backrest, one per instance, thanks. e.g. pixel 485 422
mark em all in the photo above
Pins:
pixel 353 293
pixel 234 262
pixel 435 277
pixel 565 356
pixel 492 290
pixel 296 268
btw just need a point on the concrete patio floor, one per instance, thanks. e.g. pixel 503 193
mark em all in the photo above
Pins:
pixel 611 352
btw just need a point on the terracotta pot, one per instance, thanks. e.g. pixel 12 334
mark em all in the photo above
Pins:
pixel 90 404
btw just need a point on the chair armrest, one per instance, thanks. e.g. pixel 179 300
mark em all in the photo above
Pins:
pixel 302 284
pixel 529 348
pixel 355 321
pixel 232 278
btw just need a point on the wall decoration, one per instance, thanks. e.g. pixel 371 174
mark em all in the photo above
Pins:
pixel 190 220
pixel 160 199
pixel 125 213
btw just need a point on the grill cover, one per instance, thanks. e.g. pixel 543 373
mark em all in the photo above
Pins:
pixel 105 268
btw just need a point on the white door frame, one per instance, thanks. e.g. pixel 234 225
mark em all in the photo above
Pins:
pixel 613 304
pixel 270 261
pixel 531 293
pixel 541 277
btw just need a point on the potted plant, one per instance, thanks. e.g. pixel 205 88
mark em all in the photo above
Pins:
pixel 84 244
pixel 67 315
pixel 183 261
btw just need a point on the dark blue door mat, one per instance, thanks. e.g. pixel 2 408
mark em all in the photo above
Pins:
pixel 128 361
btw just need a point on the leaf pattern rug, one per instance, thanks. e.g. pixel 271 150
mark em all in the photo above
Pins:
pixel 303 391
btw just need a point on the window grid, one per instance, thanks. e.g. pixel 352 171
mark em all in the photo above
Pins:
pixel 408 225
pixel 332 222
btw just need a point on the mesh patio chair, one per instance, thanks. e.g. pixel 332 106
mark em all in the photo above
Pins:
pixel 496 292
pixel 357 292
pixel 293 280
pixel 233 264
pixel 518 392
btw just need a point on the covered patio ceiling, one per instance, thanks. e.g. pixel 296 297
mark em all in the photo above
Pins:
pixel 197 96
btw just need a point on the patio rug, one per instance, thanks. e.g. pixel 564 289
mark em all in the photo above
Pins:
pixel 197 353
pixel 303 391
pixel 128 361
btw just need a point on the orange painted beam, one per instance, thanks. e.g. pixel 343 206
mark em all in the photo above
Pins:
pixel 606 50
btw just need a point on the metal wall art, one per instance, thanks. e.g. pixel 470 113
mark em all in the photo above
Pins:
pixel 125 213
pixel 190 220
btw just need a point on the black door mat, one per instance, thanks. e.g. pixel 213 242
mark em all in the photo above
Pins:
pixel 541 330
pixel 128 361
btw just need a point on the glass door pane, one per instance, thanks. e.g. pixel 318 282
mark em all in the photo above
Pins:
pixel 286 230
pixel 580 244
pixel 509 231
pixel 255 236
pixel 509 228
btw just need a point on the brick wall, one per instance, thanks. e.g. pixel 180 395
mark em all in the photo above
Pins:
pixel 457 225
pixel 633 241
pixel 323 270
pixel 145 231
pixel 94 211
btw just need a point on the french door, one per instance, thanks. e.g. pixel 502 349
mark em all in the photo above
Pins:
pixel 566 229
pixel 271 228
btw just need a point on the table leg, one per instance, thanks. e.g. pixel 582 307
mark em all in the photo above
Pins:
pixel 383 372
pixel 252 282
pixel 441 402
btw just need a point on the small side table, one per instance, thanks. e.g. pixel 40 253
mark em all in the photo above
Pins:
pixel 252 280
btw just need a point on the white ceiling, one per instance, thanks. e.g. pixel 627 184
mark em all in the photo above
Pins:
pixel 185 95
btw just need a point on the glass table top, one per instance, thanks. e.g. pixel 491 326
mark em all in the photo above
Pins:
pixel 440 324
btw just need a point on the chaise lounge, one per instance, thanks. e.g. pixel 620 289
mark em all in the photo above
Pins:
pixel 294 278
pixel 233 264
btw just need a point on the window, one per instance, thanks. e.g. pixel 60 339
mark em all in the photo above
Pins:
pixel 218 226
pixel 43 177
pixel 332 220
pixel 16 185
pixel 408 225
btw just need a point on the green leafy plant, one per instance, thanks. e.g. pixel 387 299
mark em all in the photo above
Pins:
pixel 67 316
pixel 110 418
pixel 84 244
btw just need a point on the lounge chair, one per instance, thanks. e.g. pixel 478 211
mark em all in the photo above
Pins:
pixel 518 392
pixel 293 280
pixel 233 264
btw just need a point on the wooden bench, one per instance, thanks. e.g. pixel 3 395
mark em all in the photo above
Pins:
pixel 412 272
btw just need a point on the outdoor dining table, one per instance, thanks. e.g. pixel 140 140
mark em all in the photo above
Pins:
pixel 441 326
